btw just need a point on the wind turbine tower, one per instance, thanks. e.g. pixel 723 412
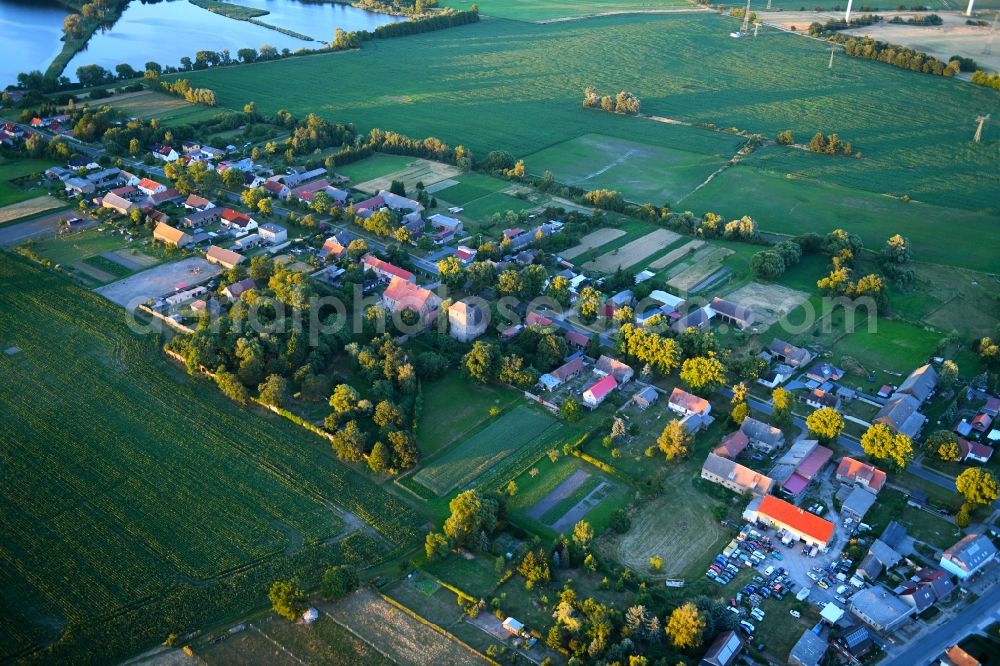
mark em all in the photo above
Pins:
pixel 968 10
pixel 833 47
pixel 746 19
pixel 988 48
pixel 756 27
pixel 847 14
pixel 768 4
pixel 979 128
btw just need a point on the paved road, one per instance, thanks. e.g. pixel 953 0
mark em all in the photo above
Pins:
pixel 926 649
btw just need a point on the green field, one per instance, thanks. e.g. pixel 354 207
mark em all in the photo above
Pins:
pixel 453 406
pixel 547 10
pixel 469 187
pixel 894 345
pixel 476 85
pixel 139 502
pixel 373 167
pixel 12 169
pixel 170 111
pixel 483 450
pixel 642 173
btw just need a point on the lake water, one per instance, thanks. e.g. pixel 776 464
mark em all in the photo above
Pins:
pixel 29 37
pixel 165 32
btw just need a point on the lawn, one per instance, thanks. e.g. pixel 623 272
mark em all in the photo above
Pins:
pixel 373 167
pixel 13 169
pixel 484 449
pixel 892 345
pixel 477 85
pixel 170 111
pixel 452 407
pixel 475 576
pixel 641 172
pixel 125 474
pixel 470 186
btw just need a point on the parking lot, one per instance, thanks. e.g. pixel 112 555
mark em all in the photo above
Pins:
pixel 159 281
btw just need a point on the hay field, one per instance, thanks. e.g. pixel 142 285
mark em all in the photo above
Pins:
pixel 770 302
pixel 419 170
pixel 397 635
pixel 553 10
pixel 168 109
pixel 633 252
pixel 29 208
pixel 530 71
pixel 591 241
pixel 706 261
pixel 674 255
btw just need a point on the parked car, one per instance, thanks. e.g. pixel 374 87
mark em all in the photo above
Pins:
pixel 823 584
pixel 776 555
pixel 734 609
pixel 746 626
pixel 812 575
pixel 794 613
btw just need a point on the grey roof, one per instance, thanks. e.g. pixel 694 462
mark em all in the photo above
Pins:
pixel 971 552
pixel 736 473
pixel 884 553
pixel 795 355
pixel 695 318
pixel 859 501
pixel 870 567
pixel 724 650
pixel 920 383
pixel 195 217
pixel 880 606
pixel 901 414
pixel 855 637
pixel 921 597
pixel 893 534
pixel 808 651
pixel 648 395
pixel 732 310
pixel 761 431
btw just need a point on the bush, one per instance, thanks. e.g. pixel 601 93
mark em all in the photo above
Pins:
pixel 339 581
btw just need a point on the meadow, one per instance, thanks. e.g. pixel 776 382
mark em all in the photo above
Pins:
pixel 170 111
pixel 452 407
pixel 11 170
pixel 548 10
pixel 138 501
pixel 475 86
pixel 483 450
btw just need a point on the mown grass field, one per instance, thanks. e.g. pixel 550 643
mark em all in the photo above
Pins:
pixel 171 111
pixel 373 167
pixel 482 450
pixel 547 10
pixel 452 407
pixel 12 169
pixel 139 502
pixel 476 85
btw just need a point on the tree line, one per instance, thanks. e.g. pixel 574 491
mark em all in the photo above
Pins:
pixel 623 102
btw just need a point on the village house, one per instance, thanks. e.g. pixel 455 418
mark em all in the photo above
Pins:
pixel 111 177
pixel 171 236
pixel 880 609
pixel 195 202
pixel 577 340
pixel 78 186
pixel 273 234
pixel 732 445
pixel 237 289
pixel 552 380
pixel 168 195
pixel 165 153
pixel 151 187
pixel 247 242
pixel 595 394
pixel 954 655
pixel 734 476
pixel 384 270
pixel 968 556
pixel 809 650
pixel 201 218
pixel 900 413
pixel 401 294
pixel 622 372
pixel 697 319
pixel 800 465
pixel 821 373
pixel 466 321
pixel 336 246
pixel 854 472
pixel 817 399
pixel 920 383
pixel 237 220
pixel 857 504
pixel 276 188
pixel 223 257
pixel 763 437
pixel 685 403
pixel 788 353
pixel 778 513
pixel 117 203
pixel 465 255
pixel 732 313
pixel 974 451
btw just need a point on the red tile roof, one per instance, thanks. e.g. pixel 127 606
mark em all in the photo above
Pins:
pixel 370 204
pixel 535 319
pixel 798 519
pixel 406 295
pixel 577 338
pixel 235 217
pixel 688 401
pixel 855 470
pixel 377 264
pixel 148 184
pixel 732 445
pixel 603 387
pixel 982 422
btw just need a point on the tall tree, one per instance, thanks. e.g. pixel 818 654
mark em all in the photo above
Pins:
pixel 675 440
pixel 686 626
pixel 825 424
pixel 977 486
pixel 880 442
pixel 286 598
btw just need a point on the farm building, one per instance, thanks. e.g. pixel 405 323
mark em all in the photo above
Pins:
pixel 466 321
pixel 296 178
pixel 171 235
pixel 857 504
pixel 195 202
pixel 646 397
pixel 788 353
pixel 223 257
pixel 513 627
pixel 78 186
pixel 762 436
pixel 734 476
pixel 879 608
pixel 562 374
pixel 597 392
pixel 384 270
pixel 237 289
pixel 335 246
pixel 166 196
pixel 724 650
pixel 622 372
pixel 308 191
pixel 116 203
pixel 535 319
pixel 805 526
pixel 202 217
pixel 855 472
pixel 732 445
pixel 920 383
pixel 809 650
pixel 685 403
pixel 403 295
pixel 577 339
pixel 273 234
pixel 184 296
pixel 697 319
pixel 732 313
pixel 968 556
pixel 666 300
pixel 443 222
pixel 799 465
pixel 901 414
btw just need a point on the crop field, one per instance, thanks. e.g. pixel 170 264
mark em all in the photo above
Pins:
pixel 373 167
pixel 633 252
pixel 125 474
pixel 469 187
pixel 453 407
pixel 171 111
pixel 593 240
pixel 483 450
pixel 770 302
pixel 398 635
pixel 29 208
pixel 415 171
pixel 682 66
pixel 548 10
pixel 675 254
pixel 641 172
pixel 12 169
pixel 795 205
pixel 704 263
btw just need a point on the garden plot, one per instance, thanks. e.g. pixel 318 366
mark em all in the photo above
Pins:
pixel 583 507
pixel 417 171
pixel 633 252
pixel 704 266
pixel 558 494
pixel 398 635
pixel 676 254
pixel 592 240
pixel 770 302
pixel 131 259
pixel 29 208
pixel 136 289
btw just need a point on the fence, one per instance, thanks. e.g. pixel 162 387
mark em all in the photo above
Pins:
pixel 176 325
